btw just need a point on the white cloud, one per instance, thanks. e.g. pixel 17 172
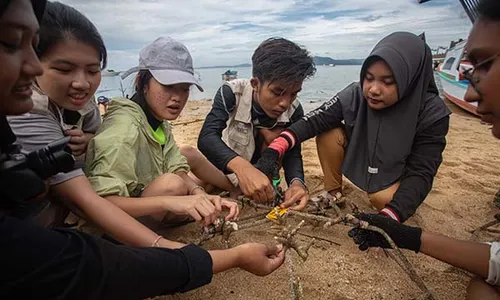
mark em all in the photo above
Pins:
pixel 221 32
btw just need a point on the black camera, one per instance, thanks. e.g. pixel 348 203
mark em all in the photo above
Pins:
pixel 22 176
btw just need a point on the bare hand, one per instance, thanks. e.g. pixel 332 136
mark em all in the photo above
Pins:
pixel 203 208
pixel 234 210
pixel 255 184
pixel 79 141
pixel 297 192
pixel 260 259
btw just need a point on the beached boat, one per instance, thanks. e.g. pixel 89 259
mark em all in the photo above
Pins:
pixel 451 76
pixel 451 70
pixel 229 75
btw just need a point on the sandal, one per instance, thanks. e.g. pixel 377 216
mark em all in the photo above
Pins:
pixel 326 200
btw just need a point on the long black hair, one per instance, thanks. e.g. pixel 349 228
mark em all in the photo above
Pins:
pixel 38 7
pixel 61 22
pixel 141 81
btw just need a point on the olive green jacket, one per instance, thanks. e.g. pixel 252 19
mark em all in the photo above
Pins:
pixel 123 158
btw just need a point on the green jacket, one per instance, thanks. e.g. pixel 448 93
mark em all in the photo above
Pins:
pixel 124 157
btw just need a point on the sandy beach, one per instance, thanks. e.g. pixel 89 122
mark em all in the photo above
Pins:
pixel 460 201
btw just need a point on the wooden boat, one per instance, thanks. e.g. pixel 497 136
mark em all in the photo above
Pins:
pixel 451 76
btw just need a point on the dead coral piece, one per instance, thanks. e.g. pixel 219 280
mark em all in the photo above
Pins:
pixel 286 236
pixel 220 227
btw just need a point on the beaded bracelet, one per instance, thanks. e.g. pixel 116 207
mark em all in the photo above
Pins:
pixel 155 243
pixel 301 181
pixel 196 187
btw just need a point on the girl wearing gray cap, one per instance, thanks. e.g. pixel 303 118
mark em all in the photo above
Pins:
pixel 134 153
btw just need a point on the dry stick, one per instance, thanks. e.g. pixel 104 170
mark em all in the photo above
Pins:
pixel 408 267
pixel 296 291
pixel 337 210
pixel 187 122
pixel 220 227
pixel 247 201
pixel 287 237
pixel 319 238
pixel 492 230
pixel 254 216
pixel 354 221
pixel 328 221
pixel 252 224
pixel 484 227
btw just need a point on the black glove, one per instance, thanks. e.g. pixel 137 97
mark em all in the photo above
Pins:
pixel 404 236
pixel 268 163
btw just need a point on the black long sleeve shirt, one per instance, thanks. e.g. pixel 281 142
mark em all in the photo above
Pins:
pixel 66 264
pixel 43 263
pixel 217 152
pixel 421 165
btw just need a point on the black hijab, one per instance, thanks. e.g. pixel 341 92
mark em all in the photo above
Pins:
pixel 380 141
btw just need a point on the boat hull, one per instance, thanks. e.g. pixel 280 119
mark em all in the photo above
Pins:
pixel 451 77
pixel 455 92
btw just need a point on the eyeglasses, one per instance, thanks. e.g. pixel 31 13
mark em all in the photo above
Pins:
pixel 474 78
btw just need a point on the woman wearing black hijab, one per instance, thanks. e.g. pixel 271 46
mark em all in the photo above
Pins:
pixel 385 133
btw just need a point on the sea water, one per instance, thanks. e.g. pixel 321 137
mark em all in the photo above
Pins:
pixel 320 88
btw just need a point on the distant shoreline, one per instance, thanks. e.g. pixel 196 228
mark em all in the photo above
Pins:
pixel 319 60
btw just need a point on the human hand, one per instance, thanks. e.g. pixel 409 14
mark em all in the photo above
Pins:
pixel 219 203
pixel 260 259
pixel 404 236
pixel 234 210
pixel 297 192
pixel 202 207
pixel 255 184
pixel 79 141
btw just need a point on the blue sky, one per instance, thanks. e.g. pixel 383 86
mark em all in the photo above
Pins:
pixel 222 32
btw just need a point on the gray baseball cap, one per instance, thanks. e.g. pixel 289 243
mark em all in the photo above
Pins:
pixel 168 60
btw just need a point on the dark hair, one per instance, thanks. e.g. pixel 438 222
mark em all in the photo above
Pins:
pixel 3 6
pixel 62 22
pixel 38 7
pixel 278 59
pixel 489 9
pixel 142 79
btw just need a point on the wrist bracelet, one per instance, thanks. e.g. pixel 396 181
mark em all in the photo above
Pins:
pixel 155 243
pixel 196 187
pixel 301 181
pixel 388 212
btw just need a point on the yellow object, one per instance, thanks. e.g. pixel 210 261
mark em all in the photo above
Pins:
pixel 273 214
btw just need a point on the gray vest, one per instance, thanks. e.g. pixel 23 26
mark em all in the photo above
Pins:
pixel 239 132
